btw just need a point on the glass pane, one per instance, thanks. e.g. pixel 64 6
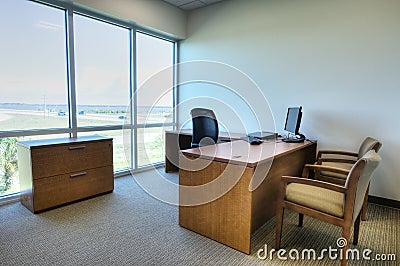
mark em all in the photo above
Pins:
pixel 154 96
pixel 9 182
pixel 121 150
pixel 9 179
pixel 151 145
pixel 102 72
pixel 33 86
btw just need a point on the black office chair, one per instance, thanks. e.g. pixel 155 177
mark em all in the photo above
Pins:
pixel 205 127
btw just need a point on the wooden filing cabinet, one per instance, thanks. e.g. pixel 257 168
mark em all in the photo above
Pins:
pixel 55 172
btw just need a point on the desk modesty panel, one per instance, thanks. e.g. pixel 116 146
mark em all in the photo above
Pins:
pixel 233 191
pixel 176 140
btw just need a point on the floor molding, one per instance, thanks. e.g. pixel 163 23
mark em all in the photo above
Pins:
pixel 9 198
pixel 384 202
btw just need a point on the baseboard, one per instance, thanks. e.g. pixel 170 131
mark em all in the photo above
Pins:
pixel 9 198
pixel 384 202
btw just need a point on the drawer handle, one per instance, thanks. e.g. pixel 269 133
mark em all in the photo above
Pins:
pixel 77 174
pixel 77 147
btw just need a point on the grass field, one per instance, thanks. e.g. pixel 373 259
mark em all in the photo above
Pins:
pixel 20 120
pixel 150 140
pixel 26 120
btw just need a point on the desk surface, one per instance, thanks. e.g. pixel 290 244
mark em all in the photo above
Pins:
pixel 243 153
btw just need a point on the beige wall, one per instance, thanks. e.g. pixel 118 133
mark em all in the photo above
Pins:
pixel 339 59
pixel 154 14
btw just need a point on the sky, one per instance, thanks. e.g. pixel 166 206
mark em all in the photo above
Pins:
pixel 33 58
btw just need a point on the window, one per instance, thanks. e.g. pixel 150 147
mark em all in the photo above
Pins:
pixel 32 67
pixel 155 58
pixel 38 92
pixel 102 72
pixel 155 97
pixel 151 145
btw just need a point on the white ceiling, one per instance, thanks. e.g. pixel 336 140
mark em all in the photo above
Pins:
pixel 191 4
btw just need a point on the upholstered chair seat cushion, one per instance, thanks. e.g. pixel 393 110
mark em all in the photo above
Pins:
pixel 320 199
pixel 345 166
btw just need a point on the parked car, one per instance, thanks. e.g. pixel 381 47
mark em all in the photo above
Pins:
pixel 62 113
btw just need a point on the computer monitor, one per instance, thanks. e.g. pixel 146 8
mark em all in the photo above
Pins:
pixel 292 124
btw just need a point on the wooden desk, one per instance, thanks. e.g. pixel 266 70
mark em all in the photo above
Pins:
pixel 181 140
pixel 233 217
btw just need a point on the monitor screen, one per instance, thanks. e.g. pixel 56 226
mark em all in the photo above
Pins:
pixel 293 119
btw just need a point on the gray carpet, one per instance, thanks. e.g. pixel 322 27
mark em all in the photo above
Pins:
pixel 129 227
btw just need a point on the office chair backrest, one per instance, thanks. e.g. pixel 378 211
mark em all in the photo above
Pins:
pixel 205 127
pixel 368 163
pixel 367 145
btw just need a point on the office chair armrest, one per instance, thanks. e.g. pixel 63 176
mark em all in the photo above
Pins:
pixel 316 183
pixel 336 152
pixel 316 167
pixel 336 160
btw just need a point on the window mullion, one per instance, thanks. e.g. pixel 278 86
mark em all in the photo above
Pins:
pixel 134 99
pixel 71 72
pixel 175 85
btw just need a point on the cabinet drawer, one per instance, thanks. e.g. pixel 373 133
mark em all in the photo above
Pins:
pixel 53 191
pixel 61 159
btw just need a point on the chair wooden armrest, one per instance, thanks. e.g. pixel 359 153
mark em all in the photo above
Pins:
pixel 336 152
pixel 316 183
pixel 316 167
pixel 336 160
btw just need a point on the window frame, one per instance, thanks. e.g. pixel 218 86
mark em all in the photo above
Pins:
pixel 73 130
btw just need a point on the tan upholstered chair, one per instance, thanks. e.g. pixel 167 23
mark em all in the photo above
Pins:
pixel 344 160
pixel 332 203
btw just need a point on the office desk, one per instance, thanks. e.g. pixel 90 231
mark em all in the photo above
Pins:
pixel 180 140
pixel 233 217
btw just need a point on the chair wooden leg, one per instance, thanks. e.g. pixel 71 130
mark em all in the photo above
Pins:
pixel 365 206
pixel 279 223
pixel 301 217
pixel 345 235
pixel 356 229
